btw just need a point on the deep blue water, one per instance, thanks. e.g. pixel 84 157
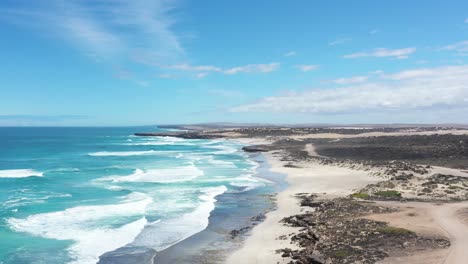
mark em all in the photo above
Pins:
pixel 82 192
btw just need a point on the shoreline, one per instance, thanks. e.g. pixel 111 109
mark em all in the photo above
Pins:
pixel 262 244
pixel 334 167
pixel 234 215
pixel 227 230
pixel 331 181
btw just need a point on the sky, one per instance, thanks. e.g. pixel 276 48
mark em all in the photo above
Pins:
pixel 146 62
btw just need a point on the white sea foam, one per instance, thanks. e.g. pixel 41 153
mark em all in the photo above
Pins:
pixel 213 141
pixel 66 170
pixel 170 231
pixel 247 185
pixel 22 201
pixel 224 149
pixel 21 173
pixel 249 182
pixel 114 188
pixel 179 174
pixel 164 139
pixel 222 163
pixel 170 139
pixel 121 153
pixel 157 143
pixel 84 225
pixel 193 156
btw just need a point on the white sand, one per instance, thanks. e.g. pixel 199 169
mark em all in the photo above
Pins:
pixel 448 219
pixel 310 178
pixel 449 171
pixel 378 134
pixel 254 141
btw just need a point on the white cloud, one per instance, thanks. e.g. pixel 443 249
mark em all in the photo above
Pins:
pixel 460 47
pixel 338 41
pixel 466 21
pixel 374 31
pixel 123 74
pixel 410 74
pixel 351 80
pixel 201 75
pixel 226 93
pixel 204 70
pixel 142 83
pixel 92 36
pixel 419 89
pixel 429 73
pixel 383 52
pixel 102 27
pixel 253 68
pixel 422 62
pixel 307 67
pixel 290 54
pixel 195 68
pixel 166 76
pixel 376 72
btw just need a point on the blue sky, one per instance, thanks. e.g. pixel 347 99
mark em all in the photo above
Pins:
pixel 104 62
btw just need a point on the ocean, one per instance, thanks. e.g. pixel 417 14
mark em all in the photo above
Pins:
pixel 71 195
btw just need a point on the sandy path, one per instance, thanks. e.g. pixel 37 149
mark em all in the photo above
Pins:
pixel 449 219
pixel 449 171
pixel 260 246
pixel 379 134
pixel 310 148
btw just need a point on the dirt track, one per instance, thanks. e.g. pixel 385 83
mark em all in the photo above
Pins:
pixel 449 218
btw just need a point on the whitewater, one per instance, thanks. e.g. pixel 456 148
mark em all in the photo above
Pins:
pixel 85 192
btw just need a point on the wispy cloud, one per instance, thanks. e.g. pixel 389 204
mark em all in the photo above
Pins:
pixel 142 83
pixel 226 93
pixel 382 53
pixel 201 75
pixel 338 41
pixel 166 76
pixel 195 68
pixel 254 68
pixel 374 31
pixel 307 67
pixel 377 72
pixel 203 70
pixel 290 54
pixel 42 120
pixel 123 74
pixel 350 80
pixel 104 27
pixel 461 48
pixel 41 117
pixel 429 73
pixel 466 21
pixel 442 87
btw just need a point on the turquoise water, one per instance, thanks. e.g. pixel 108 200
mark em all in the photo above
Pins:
pixel 69 195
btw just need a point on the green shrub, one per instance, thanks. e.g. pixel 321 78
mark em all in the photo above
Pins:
pixel 360 195
pixel 342 253
pixel 388 193
pixel 394 230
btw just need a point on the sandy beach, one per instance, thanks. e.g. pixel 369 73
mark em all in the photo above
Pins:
pixel 260 247
pixel 444 220
pixel 369 195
